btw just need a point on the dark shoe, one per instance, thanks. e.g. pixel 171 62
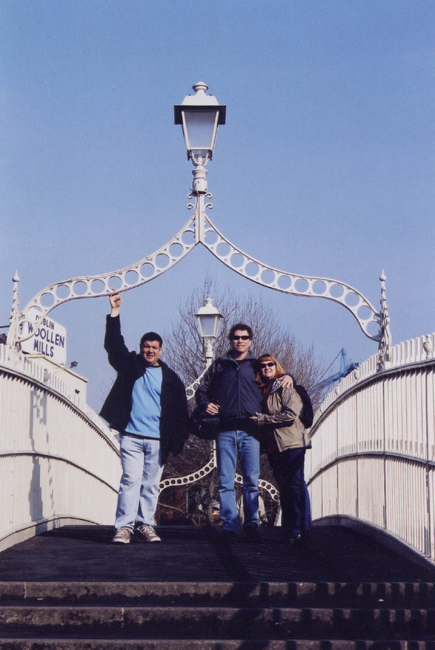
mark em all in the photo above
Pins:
pixel 252 535
pixel 301 541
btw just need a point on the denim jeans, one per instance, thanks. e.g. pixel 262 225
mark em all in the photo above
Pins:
pixel 229 444
pixel 288 471
pixel 139 489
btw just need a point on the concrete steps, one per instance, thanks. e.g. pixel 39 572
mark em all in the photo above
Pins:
pixel 217 615
pixel 241 594
pixel 216 644
pixel 72 589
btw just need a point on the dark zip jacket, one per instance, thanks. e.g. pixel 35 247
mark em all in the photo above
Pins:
pixel 230 383
pixel 130 366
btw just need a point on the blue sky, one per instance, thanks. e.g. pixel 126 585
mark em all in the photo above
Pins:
pixel 325 166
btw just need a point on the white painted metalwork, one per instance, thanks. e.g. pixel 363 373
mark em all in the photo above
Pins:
pixel 191 390
pixel 14 319
pixel 96 286
pixel 373 455
pixel 208 320
pixel 200 229
pixel 188 479
pixel 385 333
pixel 263 485
pixel 291 283
pixel 58 460
pixel 199 115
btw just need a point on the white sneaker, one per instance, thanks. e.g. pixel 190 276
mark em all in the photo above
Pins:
pixel 122 535
pixel 147 533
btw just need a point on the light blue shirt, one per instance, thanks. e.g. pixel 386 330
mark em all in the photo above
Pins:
pixel 146 410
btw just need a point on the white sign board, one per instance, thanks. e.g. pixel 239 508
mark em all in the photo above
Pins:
pixel 49 339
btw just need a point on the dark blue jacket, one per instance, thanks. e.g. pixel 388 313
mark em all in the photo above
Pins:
pixel 130 366
pixel 231 384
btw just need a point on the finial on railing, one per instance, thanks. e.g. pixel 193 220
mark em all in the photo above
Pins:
pixel 428 345
pixel 385 340
pixel 14 317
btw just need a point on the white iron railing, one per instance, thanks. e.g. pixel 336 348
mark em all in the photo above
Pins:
pixel 373 453
pixel 47 479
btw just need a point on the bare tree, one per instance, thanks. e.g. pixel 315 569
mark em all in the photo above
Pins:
pixel 183 345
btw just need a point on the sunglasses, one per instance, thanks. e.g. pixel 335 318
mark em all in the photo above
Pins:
pixel 269 364
pixel 245 337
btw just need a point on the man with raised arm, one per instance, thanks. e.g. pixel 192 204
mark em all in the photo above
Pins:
pixel 147 405
pixel 229 389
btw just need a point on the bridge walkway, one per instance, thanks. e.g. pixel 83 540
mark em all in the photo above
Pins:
pixel 71 589
pixel 335 554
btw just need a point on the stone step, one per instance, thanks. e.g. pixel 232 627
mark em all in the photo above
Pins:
pixel 242 594
pixel 211 644
pixel 216 622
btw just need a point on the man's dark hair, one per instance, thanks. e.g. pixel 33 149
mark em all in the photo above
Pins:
pixel 240 326
pixel 151 336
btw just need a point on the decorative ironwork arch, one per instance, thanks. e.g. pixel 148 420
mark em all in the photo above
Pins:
pixel 199 229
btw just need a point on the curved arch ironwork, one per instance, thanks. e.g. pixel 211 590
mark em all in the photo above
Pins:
pixel 286 282
pixel 200 229
pixel 95 286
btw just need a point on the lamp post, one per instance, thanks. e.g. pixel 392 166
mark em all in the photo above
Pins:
pixel 199 115
pixel 208 319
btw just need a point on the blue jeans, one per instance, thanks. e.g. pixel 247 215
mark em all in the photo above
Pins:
pixel 288 471
pixel 139 489
pixel 229 444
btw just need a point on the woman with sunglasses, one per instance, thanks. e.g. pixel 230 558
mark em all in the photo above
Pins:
pixel 285 441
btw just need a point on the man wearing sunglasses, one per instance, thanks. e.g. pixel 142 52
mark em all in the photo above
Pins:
pixel 228 389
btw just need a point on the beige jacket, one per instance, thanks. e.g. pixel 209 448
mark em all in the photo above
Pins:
pixel 285 405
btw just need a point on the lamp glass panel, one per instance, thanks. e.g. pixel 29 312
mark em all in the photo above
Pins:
pixel 207 325
pixel 200 128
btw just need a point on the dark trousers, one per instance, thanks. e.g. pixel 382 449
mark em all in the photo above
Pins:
pixel 288 470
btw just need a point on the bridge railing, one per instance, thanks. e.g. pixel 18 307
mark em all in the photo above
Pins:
pixel 47 479
pixel 373 455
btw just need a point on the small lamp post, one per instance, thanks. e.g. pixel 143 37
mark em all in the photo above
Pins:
pixel 208 318
pixel 199 115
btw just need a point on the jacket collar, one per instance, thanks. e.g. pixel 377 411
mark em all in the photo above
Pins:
pixel 227 356
pixel 143 365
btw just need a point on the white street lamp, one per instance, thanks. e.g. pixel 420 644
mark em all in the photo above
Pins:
pixel 199 115
pixel 208 319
